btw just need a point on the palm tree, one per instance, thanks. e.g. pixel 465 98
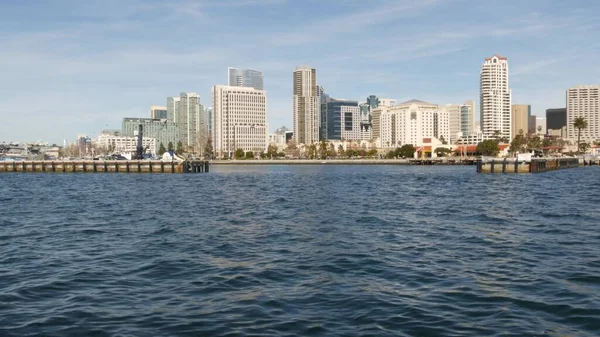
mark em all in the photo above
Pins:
pixel 579 123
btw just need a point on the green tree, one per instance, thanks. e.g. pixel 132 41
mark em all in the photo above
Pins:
pixel 170 147
pixel 499 138
pixel 272 151
pixel 340 151
pixel 161 149
pixel 442 151
pixel 443 140
pixel 292 149
pixel 519 143
pixel 406 151
pixel 583 147
pixel 249 155
pixel 579 123
pixel 208 147
pixel 179 150
pixel 239 154
pixel 488 148
pixel 323 149
pixel 372 153
pixel 312 151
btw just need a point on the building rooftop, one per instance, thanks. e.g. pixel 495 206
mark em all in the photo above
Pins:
pixel 497 56
pixel 416 101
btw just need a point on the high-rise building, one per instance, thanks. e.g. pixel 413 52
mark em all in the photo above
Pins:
pixel 532 125
pixel 239 120
pixel 412 121
pixel 307 105
pixel 460 120
pixel 556 119
pixel 245 78
pixel 495 97
pixel 172 104
pixel 162 130
pixel 583 101
pixel 342 119
pixel 190 120
pixel 158 112
pixel 521 113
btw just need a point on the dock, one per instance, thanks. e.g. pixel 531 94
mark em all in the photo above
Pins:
pixel 513 165
pixel 108 166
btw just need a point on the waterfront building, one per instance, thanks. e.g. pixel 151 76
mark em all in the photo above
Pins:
pixel 495 97
pixel 461 119
pixel 387 102
pixel 278 140
pixel 532 125
pixel 172 104
pixel 342 119
pixel 411 122
pixel 158 112
pixel 583 101
pixel 521 114
pixel 245 78
pixel 376 123
pixel 556 122
pixel 307 105
pixel 162 130
pixel 239 120
pixel 126 145
pixel 190 121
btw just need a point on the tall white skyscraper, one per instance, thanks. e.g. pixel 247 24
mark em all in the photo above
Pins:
pixel 239 120
pixel 495 97
pixel 245 78
pixel 583 101
pixel 307 107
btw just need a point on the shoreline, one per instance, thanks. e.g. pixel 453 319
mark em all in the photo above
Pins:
pixel 340 162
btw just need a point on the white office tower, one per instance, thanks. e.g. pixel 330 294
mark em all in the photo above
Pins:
pixel 495 98
pixel 239 120
pixel 307 108
pixel 583 101
pixel 410 122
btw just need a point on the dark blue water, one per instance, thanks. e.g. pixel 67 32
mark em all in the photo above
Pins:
pixel 301 251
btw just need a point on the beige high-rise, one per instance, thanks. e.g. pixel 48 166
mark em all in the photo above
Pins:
pixel 307 106
pixel 583 101
pixel 520 114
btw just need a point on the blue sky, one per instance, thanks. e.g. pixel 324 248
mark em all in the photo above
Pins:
pixel 71 66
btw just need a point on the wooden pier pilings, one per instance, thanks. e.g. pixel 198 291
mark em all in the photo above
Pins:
pixel 534 166
pixel 109 166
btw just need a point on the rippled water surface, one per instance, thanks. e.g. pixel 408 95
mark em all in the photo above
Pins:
pixel 301 251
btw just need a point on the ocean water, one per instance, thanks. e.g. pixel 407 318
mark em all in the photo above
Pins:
pixel 301 251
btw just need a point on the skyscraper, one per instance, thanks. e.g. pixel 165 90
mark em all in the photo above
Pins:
pixel 342 121
pixel 495 97
pixel 520 118
pixel 245 78
pixel 239 120
pixel 583 101
pixel 172 103
pixel 190 120
pixel 307 103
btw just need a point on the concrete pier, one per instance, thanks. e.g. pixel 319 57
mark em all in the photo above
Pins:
pixel 534 166
pixel 109 166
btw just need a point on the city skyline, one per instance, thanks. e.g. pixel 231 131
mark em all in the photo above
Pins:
pixel 81 67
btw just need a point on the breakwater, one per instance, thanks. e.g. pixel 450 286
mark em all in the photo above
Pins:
pixel 512 165
pixel 109 166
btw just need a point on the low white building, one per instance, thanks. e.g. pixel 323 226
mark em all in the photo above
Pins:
pixel 277 140
pixel 410 122
pixel 125 145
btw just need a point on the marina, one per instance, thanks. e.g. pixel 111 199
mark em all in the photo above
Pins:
pixel 513 165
